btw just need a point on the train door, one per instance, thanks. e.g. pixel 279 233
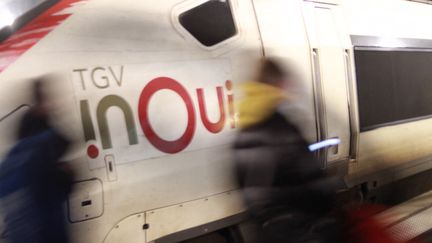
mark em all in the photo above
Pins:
pixel 329 49
pixel 284 36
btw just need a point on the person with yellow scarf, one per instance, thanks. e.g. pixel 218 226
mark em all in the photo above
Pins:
pixel 283 184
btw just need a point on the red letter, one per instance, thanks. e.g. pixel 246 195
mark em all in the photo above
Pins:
pixel 149 90
pixel 229 86
pixel 217 126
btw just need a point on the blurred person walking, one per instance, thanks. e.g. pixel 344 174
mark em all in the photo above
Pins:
pixel 283 184
pixel 33 185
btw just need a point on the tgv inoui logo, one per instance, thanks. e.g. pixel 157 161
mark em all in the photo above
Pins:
pixel 223 93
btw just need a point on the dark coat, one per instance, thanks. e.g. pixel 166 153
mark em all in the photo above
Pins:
pixel 278 174
pixel 33 188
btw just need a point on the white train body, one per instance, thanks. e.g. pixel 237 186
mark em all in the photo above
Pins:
pixel 149 93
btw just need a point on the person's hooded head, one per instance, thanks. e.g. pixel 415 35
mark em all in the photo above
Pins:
pixel 272 73
pixel 262 96
pixel 36 120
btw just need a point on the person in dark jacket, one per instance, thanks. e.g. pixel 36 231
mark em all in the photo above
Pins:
pixel 33 186
pixel 283 184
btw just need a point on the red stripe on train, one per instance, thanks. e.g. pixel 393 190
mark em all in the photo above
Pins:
pixel 22 40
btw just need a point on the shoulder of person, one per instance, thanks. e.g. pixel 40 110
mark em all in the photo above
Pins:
pixel 273 131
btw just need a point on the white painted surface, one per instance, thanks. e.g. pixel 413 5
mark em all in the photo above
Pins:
pixel 129 229
pixel 142 37
pixel 183 216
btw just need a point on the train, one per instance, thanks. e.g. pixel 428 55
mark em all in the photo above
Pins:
pixel 149 87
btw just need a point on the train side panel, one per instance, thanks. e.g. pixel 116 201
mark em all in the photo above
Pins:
pixel 152 99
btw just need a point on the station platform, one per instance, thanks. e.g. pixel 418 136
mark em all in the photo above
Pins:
pixel 410 220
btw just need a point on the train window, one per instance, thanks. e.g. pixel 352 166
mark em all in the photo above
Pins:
pixel 210 23
pixel 393 86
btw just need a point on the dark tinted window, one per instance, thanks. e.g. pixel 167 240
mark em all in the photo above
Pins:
pixel 393 86
pixel 210 23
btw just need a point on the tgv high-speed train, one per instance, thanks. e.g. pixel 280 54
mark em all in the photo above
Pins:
pixel 149 89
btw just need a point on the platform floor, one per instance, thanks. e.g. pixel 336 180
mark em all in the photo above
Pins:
pixel 411 219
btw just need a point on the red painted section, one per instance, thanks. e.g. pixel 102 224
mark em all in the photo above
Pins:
pixel 21 41
pixel 149 90
pixel 92 151
pixel 213 127
pixel 231 108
